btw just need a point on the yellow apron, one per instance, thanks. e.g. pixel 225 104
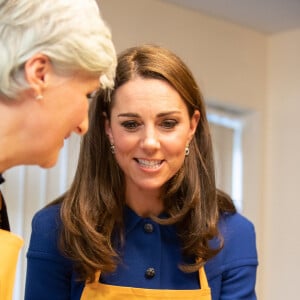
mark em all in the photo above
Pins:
pixel 100 291
pixel 10 245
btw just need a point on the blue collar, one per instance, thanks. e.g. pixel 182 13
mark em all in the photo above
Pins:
pixel 132 220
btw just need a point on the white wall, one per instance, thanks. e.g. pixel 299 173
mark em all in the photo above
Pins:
pixel 282 169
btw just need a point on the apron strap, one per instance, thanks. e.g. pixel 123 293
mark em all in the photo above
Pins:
pixel 203 278
pixel 96 281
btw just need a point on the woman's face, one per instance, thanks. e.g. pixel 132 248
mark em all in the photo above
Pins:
pixel 150 129
pixel 63 110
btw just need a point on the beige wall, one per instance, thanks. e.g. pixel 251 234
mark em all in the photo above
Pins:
pixel 282 205
pixel 229 61
pixel 248 70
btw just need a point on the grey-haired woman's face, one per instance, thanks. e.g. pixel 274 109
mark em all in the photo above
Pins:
pixel 60 109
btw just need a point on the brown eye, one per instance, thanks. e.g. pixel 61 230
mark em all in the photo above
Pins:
pixel 130 125
pixel 169 124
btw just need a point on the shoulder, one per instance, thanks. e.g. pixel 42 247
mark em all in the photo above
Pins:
pixel 239 249
pixel 239 237
pixel 232 272
pixel 45 233
pixel 48 270
pixel 47 218
pixel 236 228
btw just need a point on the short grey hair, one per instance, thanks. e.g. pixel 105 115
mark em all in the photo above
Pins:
pixel 71 33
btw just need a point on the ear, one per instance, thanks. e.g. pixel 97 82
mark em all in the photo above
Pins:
pixel 108 130
pixel 194 123
pixel 36 70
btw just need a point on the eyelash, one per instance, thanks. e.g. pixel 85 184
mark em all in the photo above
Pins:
pixel 91 96
pixel 169 124
pixel 132 125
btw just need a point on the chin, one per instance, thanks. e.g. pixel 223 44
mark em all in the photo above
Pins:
pixel 49 163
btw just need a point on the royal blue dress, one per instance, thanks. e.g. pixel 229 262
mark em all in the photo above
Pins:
pixel 150 260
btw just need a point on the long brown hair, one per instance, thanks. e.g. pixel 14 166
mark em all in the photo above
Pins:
pixel 92 210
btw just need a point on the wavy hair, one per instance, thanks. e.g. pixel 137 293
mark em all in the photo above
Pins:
pixel 92 210
pixel 71 33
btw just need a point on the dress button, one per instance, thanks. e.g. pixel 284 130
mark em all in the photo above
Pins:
pixel 150 273
pixel 148 227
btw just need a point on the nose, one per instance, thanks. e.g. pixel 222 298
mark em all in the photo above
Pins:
pixel 150 140
pixel 83 127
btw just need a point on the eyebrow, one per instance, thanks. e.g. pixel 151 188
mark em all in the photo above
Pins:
pixel 162 114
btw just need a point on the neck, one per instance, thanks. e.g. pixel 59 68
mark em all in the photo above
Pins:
pixel 144 203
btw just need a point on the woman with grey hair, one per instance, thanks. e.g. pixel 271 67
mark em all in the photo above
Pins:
pixel 54 55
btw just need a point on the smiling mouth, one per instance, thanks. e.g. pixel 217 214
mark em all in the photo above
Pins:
pixel 149 164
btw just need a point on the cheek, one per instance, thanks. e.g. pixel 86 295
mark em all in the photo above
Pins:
pixel 83 104
pixel 125 150
pixel 79 108
pixel 124 145
pixel 176 144
pixel 175 152
pixel 175 149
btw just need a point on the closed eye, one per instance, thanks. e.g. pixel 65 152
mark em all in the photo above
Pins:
pixel 91 96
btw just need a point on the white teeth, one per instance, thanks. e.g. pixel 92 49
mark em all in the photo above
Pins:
pixel 152 164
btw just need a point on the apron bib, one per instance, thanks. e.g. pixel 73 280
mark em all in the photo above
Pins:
pixel 10 245
pixel 100 291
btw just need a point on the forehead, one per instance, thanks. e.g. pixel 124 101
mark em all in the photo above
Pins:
pixel 149 92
